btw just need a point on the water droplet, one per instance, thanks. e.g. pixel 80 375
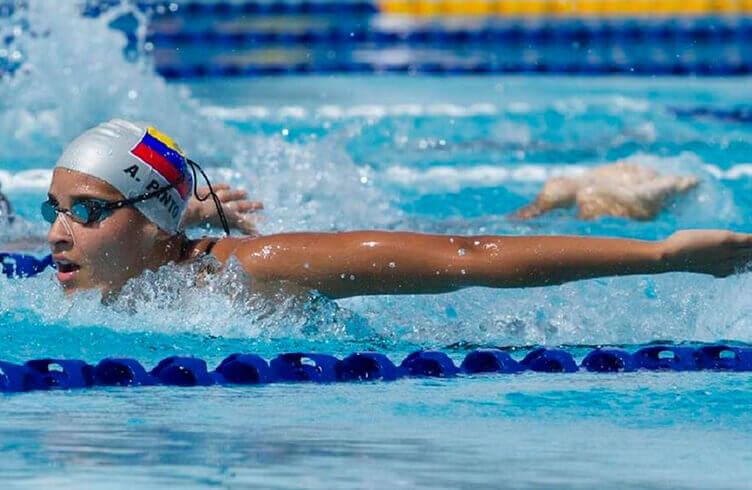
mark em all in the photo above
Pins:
pixel 392 265
pixel 352 277
pixel 461 252
pixel 307 265
pixel 463 271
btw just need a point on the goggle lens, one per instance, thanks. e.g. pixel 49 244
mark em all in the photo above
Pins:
pixel 83 212
pixel 49 213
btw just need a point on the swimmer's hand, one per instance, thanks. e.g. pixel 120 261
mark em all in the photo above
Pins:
pixel 237 208
pixel 716 252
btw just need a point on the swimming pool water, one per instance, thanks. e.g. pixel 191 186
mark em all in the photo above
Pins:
pixel 430 154
pixel 582 430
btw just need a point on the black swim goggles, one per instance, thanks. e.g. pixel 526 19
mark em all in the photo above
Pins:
pixel 88 211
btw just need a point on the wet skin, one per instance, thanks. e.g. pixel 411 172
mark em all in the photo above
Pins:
pixel 122 246
pixel 106 254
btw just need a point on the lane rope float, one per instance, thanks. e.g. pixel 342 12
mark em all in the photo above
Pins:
pixel 305 367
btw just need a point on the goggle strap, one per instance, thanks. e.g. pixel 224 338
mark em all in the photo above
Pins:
pixel 212 194
pixel 67 225
pixel 137 199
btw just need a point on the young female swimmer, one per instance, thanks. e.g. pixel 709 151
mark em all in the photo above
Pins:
pixel 119 191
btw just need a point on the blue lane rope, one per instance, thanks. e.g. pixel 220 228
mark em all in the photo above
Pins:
pixel 231 9
pixel 738 114
pixel 230 70
pixel 23 265
pixel 221 9
pixel 297 367
pixel 544 34
pixel 267 8
pixel 703 47
pixel 597 35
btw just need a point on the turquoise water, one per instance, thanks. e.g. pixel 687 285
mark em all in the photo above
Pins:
pixel 441 155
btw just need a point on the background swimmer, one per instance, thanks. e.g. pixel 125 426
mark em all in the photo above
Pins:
pixel 100 238
pixel 624 190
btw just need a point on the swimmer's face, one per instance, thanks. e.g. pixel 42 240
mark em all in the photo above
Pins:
pixel 101 255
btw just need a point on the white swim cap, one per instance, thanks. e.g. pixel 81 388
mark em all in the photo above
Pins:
pixel 136 161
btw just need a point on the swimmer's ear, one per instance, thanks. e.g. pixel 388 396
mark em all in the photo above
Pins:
pixel 162 235
pixel 155 232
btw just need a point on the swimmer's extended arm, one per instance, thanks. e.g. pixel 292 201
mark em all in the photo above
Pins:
pixel 374 262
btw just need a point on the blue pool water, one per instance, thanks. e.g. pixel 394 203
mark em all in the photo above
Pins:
pixel 440 155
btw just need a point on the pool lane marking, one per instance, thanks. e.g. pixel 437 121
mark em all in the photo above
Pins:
pixel 565 8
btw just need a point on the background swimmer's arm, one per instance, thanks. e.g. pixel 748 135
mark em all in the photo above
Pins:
pixel 558 192
pixel 374 262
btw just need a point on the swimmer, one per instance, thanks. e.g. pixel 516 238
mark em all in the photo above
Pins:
pixel 119 192
pixel 622 190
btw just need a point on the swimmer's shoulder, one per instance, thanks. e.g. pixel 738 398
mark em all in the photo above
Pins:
pixel 258 255
pixel 222 248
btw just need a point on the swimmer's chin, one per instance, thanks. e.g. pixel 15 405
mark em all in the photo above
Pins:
pixel 70 287
pixel 108 292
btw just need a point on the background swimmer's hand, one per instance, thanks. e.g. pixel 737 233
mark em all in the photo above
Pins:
pixel 237 208
pixel 716 252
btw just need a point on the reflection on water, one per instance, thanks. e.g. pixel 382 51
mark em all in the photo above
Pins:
pixel 523 431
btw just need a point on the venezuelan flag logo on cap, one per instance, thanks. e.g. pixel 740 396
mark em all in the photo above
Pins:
pixel 163 155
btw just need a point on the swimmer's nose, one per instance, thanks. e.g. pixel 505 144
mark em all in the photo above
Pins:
pixel 59 236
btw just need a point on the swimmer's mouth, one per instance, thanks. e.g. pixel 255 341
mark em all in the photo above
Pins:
pixel 66 270
pixel 66 267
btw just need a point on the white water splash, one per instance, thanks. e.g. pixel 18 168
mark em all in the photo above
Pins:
pixel 75 76
pixel 439 177
pixel 337 112
pixel 185 299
